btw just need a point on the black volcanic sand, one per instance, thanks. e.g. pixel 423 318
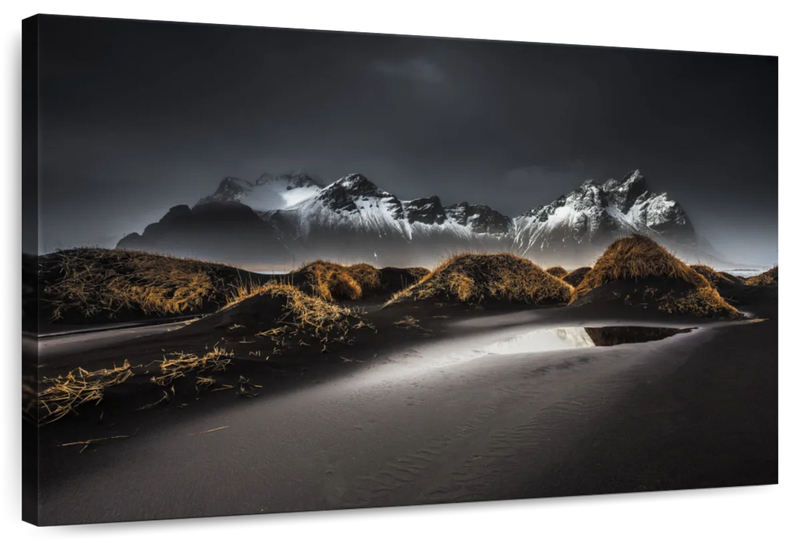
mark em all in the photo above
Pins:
pixel 421 413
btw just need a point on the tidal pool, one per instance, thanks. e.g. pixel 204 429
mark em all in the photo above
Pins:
pixel 579 337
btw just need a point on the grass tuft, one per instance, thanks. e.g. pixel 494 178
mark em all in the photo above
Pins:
pixel 367 276
pixel 417 272
pixel 178 364
pixel 64 394
pixel 297 311
pixel 638 258
pixel 575 277
pixel 767 278
pixel 331 281
pixel 715 278
pixel 557 271
pixel 242 291
pixel 475 278
pixel 82 283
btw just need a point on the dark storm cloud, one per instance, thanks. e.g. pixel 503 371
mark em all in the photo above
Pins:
pixel 137 117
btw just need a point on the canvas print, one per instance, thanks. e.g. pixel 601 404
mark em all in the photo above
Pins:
pixel 272 270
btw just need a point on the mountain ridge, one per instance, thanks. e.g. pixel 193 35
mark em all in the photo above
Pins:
pixel 353 220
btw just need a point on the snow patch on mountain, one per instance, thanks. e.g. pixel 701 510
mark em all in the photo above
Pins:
pixel 594 214
pixel 267 192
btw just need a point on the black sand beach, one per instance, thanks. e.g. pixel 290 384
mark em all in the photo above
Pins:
pixel 422 414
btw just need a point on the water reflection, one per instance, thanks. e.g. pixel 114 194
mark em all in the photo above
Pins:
pixel 612 336
pixel 579 337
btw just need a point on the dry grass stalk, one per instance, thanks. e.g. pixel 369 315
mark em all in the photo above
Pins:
pixel 87 443
pixel 177 364
pixel 247 389
pixel 276 331
pixel 164 398
pixel 411 323
pixel 79 386
pixel 203 382
pixel 408 322
pixel 209 431
pixel 222 387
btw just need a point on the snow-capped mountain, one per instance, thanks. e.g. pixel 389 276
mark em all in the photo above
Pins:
pixel 576 226
pixel 353 220
pixel 267 192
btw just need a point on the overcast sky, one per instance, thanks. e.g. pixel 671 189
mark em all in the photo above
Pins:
pixel 137 117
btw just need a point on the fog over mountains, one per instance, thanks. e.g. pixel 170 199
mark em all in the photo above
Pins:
pixel 278 222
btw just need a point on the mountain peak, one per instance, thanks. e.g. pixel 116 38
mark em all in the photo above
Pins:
pixel 633 176
pixel 264 178
pixel 353 219
pixel 268 192
pixel 230 189
pixel 427 210
pixel 295 179
pixel 595 214
pixel 356 185
pixel 480 218
pixel 353 180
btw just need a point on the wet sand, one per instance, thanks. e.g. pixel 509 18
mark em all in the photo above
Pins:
pixel 429 418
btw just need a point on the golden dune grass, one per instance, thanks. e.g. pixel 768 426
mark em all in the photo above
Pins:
pixel 767 278
pixel 95 281
pixel 244 290
pixel 178 364
pixel 367 276
pixel 417 272
pixel 557 271
pixel 331 281
pixel 296 312
pixel 299 311
pixel 636 258
pixel 308 312
pixel 472 277
pixel 714 278
pixel 575 277
pixel 64 394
